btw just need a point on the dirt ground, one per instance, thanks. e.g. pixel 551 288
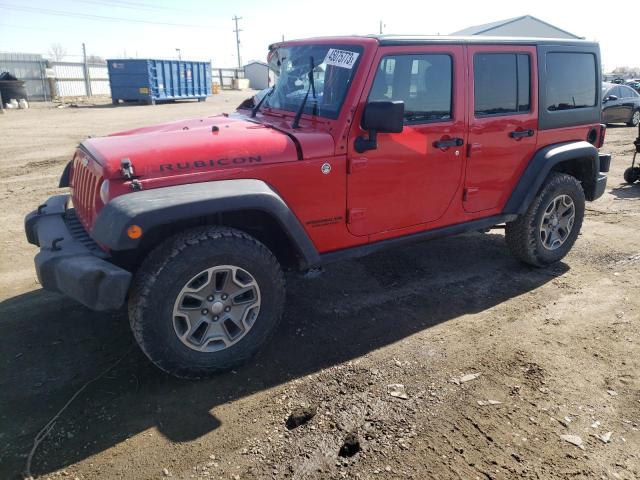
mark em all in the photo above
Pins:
pixel 557 347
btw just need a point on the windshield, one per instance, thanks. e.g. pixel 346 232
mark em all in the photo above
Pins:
pixel 333 67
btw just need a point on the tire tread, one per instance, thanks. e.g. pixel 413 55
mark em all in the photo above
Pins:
pixel 155 264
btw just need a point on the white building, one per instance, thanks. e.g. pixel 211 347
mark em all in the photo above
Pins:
pixel 259 75
pixel 524 26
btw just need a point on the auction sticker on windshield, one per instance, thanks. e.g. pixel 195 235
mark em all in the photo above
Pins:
pixel 341 58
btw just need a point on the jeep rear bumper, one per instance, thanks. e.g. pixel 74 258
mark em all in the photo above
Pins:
pixel 599 187
pixel 601 179
pixel 69 262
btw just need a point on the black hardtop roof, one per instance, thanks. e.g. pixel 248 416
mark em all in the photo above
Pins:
pixel 399 40
pixel 476 39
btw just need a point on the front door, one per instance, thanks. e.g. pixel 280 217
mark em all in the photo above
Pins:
pixel 411 177
pixel 502 122
pixel 613 110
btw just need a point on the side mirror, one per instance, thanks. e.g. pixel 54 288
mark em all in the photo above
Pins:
pixel 380 117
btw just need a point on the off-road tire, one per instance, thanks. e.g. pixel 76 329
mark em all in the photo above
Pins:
pixel 522 235
pixel 169 267
pixel 634 120
pixel 631 174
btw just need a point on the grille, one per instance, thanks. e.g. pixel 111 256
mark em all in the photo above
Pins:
pixel 85 182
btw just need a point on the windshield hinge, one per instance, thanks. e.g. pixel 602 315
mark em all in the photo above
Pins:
pixel 136 186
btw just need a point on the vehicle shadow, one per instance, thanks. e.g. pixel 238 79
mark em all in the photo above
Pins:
pixel 626 191
pixel 53 346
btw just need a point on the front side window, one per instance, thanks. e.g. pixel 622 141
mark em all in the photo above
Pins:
pixel 422 82
pixel 501 84
pixel 571 81
pixel 333 68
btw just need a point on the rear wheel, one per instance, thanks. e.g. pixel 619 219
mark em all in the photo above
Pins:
pixel 205 301
pixel 549 228
pixel 631 174
pixel 635 119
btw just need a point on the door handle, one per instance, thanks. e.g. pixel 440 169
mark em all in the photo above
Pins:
pixel 452 142
pixel 521 133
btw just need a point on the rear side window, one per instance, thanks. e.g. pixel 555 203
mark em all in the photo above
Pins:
pixel 422 82
pixel 501 83
pixel 571 81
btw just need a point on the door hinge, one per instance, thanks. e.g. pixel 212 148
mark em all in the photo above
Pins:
pixel 355 214
pixel 356 164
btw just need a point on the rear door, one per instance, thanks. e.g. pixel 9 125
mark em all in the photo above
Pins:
pixel 503 122
pixel 411 177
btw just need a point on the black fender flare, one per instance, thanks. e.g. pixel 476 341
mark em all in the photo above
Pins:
pixel 542 163
pixel 166 205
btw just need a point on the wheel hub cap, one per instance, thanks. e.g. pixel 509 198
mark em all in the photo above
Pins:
pixel 216 308
pixel 557 222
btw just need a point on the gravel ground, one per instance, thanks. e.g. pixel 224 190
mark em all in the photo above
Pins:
pixel 446 359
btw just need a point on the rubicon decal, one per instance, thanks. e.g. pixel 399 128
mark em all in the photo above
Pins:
pixel 221 162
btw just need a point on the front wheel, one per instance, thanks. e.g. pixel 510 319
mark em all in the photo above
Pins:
pixel 205 301
pixel 549 228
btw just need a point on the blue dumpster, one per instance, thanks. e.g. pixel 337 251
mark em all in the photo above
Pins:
pixel 150 81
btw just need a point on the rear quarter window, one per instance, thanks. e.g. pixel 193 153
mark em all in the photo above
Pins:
pixel 571 81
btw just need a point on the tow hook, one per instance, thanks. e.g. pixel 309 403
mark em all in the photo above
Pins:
pixel 54 244
pixel 313 273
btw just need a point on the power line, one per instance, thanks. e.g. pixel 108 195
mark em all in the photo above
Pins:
pixel 131 5
pixel 60 13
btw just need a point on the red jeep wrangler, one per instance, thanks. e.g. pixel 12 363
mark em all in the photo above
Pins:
pixel 363 143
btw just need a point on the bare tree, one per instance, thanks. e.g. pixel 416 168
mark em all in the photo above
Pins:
pixel 57 52
pixel 95 59
pixel 630 71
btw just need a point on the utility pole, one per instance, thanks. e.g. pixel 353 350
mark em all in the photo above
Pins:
pixel 237 30
pixel 87 80
pixel 381 25
pixel 179 52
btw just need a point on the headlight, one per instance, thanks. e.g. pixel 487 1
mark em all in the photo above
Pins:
pixel 104 191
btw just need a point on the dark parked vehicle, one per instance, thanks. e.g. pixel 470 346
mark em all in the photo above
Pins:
pixel 635 84
pixel 620 104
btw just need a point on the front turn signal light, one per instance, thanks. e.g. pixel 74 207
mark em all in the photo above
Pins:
pixel 134 232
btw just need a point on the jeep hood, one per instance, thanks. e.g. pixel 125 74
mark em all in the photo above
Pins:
pixel 201 144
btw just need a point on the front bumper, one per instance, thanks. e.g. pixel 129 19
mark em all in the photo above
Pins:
pixel 69 262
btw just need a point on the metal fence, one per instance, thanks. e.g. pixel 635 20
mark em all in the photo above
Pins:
pixel 79 80
pixel 225 76
pixel 30 68
pixel 46 79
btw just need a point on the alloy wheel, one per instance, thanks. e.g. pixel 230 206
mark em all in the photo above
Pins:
pixel 557 222
pixel 216 308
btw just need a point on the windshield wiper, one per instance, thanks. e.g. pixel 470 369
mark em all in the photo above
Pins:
pixel 255 109
pixel 312 87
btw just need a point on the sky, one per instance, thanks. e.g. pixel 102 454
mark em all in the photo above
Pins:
pixel 203 29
